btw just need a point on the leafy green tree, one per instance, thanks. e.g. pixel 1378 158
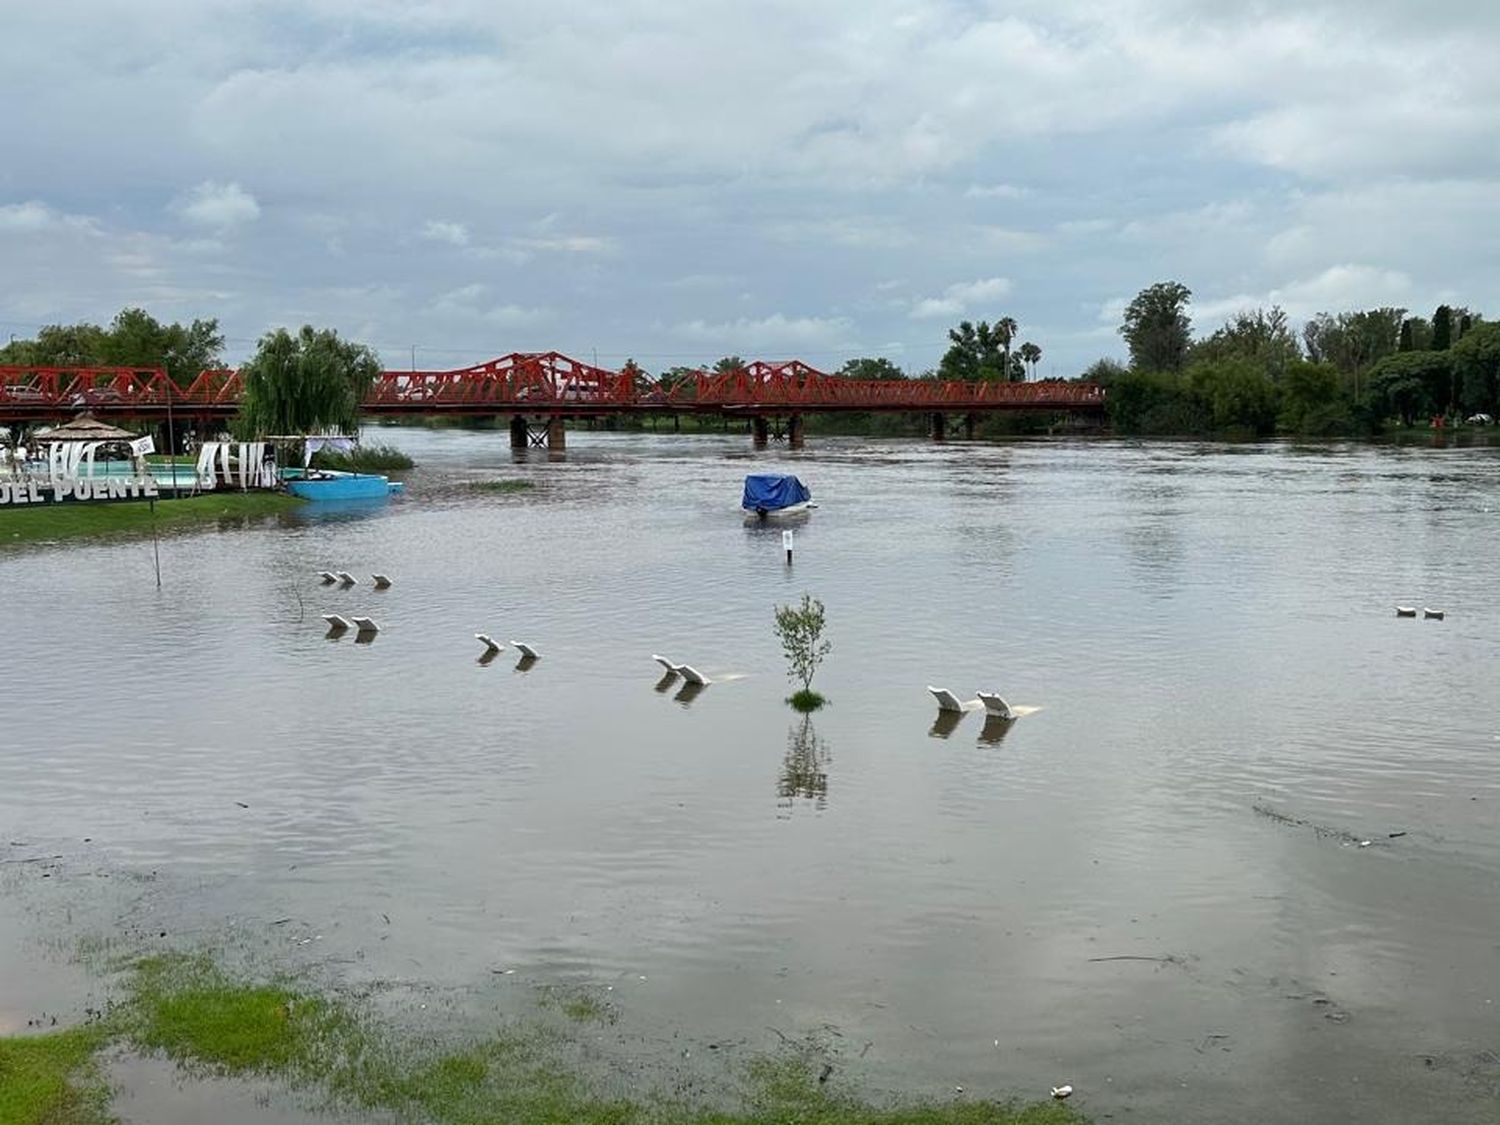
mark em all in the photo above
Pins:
pixel 1476 367
pixel 308 383
pixel 976 352
pixel 729 363
pixel 1411 385
pixel 136 338
pixel 1239 393
pixel 1264 338
pixel 69 345
pixel 877 369
pixel 1031 355
pixel 1157 328
pixel 20 353
pixel 133 339
pixel 800 628
pixel 1103 371
pixel 1353 341
pixel 1157 402
pixel 1313 401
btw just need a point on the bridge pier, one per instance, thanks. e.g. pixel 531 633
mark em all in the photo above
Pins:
pixel 939 426
pixel 557 435
pixel 969 421
pixel 519 435
pixel 760 431
pixel 794 432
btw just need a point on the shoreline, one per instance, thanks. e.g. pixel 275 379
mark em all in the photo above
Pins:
pixel 230 1020
pixel 67 522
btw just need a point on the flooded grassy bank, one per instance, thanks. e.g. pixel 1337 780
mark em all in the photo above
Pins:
pixel 338 1054
pixel 67 522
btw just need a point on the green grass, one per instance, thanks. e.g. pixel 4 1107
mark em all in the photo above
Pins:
pixel 45 522
pixel 806 700
pixel 364 459
pixel 52 1079
pixel 198 1015
pixel 510 484
pixel 578 1005
pixel 194 1013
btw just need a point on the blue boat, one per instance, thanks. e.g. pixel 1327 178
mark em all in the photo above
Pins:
pixel 323 484
pixel 775 494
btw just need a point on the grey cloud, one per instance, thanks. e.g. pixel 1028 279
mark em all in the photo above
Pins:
pixel 1080 148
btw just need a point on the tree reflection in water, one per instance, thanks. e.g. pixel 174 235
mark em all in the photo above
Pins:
pixel 804 770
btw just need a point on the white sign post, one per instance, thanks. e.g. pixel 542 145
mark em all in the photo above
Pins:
pixel 786 542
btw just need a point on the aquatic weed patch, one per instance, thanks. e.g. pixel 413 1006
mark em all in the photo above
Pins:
pixel 364 459
pixel 53 1079
pixel 508 484
pixel 197 1014
pixel 190 1010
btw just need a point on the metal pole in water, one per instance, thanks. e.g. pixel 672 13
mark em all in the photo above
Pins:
pixel 786 542
pixel 171 457
pixel 155 543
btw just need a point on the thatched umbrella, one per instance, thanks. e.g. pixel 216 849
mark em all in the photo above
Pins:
pixel 85 428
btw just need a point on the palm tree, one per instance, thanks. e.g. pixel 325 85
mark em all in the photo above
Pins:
pixel 1005 331
pixel 1031 355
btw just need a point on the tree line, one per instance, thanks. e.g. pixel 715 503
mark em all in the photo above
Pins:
pixel 1348 373
pixel 310 381
pixel 1341 374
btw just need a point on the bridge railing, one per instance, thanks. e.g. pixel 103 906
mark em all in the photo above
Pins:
pixel 544 381
pixel 779 386
pixel 524 377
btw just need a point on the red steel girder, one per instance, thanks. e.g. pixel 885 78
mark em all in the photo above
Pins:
pixel 540 383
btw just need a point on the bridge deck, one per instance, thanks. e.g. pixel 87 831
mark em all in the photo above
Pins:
pixel 544 384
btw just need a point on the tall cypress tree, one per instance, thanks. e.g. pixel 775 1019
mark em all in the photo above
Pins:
pixel 1442 328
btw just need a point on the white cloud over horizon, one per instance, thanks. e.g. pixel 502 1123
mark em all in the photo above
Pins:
pixel 724 178
pixel 211 204
pixel 959 298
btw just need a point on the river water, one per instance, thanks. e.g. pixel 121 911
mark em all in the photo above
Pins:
pixel 1157 887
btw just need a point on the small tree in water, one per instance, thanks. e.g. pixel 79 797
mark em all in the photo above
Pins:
pixel 800 628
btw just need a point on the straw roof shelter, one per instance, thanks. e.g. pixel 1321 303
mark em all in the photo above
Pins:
pixel 84 428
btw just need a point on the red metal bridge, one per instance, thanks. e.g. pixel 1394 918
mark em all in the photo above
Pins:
pixel 539 385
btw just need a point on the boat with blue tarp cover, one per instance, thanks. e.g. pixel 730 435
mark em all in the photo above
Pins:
pixel 775 494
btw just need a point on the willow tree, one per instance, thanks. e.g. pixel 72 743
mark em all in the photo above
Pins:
pixel 309 383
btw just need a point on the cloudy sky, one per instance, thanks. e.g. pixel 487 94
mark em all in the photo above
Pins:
pixel 675 182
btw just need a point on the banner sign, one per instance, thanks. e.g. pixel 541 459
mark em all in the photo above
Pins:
pixel 143 445
pixel 17 492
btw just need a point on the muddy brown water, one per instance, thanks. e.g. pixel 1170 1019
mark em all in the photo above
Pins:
pixel 1153 888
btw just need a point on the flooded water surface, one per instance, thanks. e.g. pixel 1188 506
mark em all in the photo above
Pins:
pixel 1239 865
